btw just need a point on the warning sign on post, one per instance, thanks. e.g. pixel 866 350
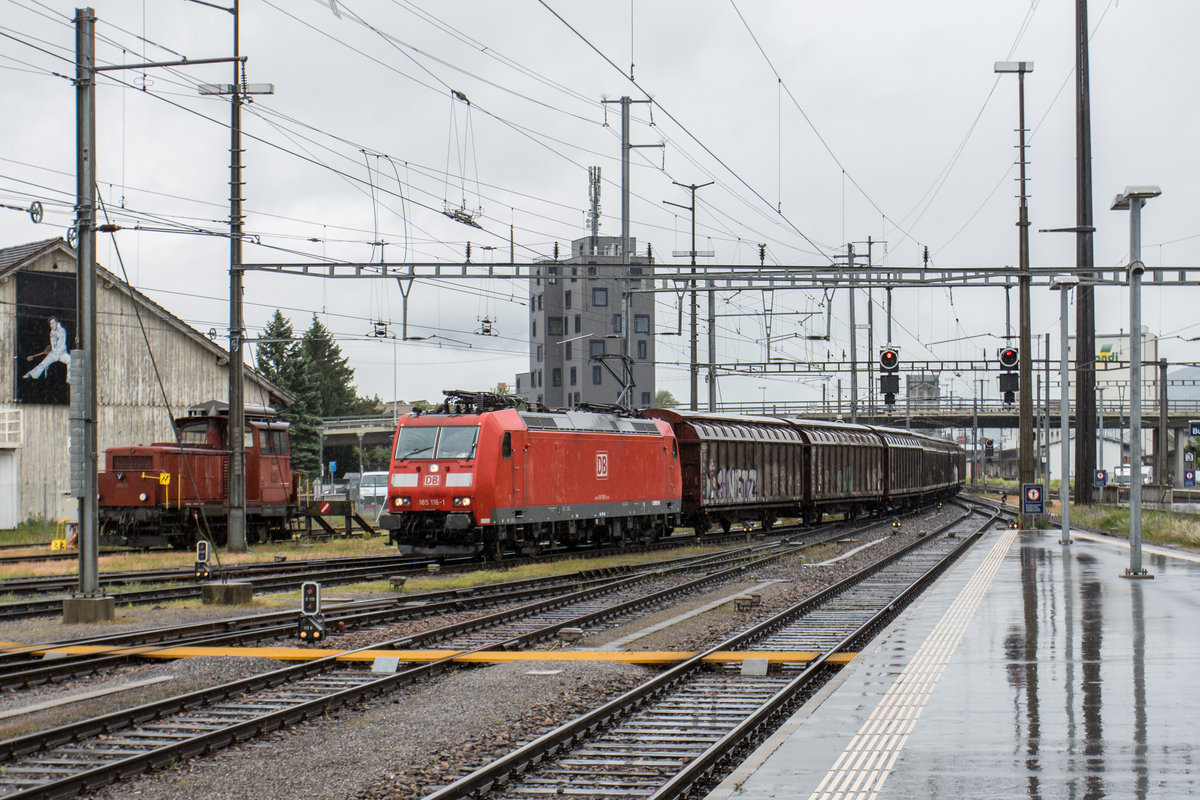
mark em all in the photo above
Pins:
pixel 1189 477
pixel 1033 498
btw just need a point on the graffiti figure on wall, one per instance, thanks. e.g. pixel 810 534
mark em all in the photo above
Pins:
pixel 55 352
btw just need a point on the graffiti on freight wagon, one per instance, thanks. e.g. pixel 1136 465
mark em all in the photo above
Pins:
pixel 722 484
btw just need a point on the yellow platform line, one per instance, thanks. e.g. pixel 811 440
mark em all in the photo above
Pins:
pixel 420 656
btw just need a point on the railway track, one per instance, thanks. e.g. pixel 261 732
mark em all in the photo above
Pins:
pixel 682 729
pixel 26 665
pixel 287 576
pixel 67 760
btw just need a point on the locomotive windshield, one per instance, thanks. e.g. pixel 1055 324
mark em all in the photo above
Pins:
pixel 430 442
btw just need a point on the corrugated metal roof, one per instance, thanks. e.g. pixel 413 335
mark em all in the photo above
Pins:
pixel 13 258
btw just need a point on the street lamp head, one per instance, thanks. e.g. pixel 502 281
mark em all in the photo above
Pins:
pixel 1066 283
pixel 1122 201
pixel 1014 66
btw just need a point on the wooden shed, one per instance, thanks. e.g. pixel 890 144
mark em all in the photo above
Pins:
pixel 38 328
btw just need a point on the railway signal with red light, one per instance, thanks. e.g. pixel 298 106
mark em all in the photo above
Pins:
pixel 889 379
pixel 1009 358
pixel 203 551
pixel 989 448
pixel 310 597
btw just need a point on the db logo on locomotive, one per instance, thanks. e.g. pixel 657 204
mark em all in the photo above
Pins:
pixel 431 480
pixel 601 465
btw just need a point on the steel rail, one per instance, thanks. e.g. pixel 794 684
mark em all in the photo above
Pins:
pixel 558 742
pixel 73 737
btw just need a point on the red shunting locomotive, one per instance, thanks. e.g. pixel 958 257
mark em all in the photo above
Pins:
pixel 162 494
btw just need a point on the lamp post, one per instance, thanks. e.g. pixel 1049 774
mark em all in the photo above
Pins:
pixel 1064 287
pixel 1132 201
pixel 1025 367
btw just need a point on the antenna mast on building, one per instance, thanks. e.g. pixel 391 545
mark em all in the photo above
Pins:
pixel 593 214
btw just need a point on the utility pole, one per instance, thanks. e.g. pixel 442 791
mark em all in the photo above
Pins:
pixel 626 396
pixel 236 532
pixel 1085 308
pixel 1025 367
pixel 88 605
pixel 853 340
pixel 694 372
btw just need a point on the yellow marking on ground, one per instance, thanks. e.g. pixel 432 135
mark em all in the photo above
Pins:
pixel 420 656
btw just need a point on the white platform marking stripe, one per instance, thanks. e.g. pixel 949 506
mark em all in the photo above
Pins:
pixel 863 767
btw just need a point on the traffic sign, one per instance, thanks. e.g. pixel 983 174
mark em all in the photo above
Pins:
pixel 324 507
pixel 1189 477
pixel 1101 478
pixel 1189 456
pixel 1194 427
pixel 1033 498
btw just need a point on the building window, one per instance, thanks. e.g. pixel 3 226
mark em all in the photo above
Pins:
pixel 518 384
pixel 641 323
pixel 579 323
pixel 539 302
pixel 645 399
pixel 539 353
pixel 591 272
pixel 567 351
pixel 533 328
pixel 596 375
pixel 556 377
pixel 616 323
pixel 641 349
pixel 596 347
pixel 599 296
pixel 573 373
pixel 554 326
pixel 567 299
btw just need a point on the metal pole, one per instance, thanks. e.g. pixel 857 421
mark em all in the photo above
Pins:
pixel 237 404
pixel 1135 387
pixel 1064 411
pixel 626 295
pixel 85 194
pixel 1100 428
pixel 1025 409
pixel 1046 417
pixel 1160 452
pixel 975 443
pixel 712 346
pixel 1085 315
pixel 853 343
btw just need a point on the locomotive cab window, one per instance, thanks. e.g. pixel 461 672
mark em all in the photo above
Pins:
pixel 415 442
pixel 457 442
pixel 506 445
pixel 194 435
pixel 454 441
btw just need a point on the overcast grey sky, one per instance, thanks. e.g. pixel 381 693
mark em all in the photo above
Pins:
pixel 820 123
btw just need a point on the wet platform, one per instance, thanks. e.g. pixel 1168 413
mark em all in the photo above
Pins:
pixel 1031 669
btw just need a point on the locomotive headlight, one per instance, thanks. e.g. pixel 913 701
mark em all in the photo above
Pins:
pixel 433 467
pixel 142 497
pixel 402 501
pixel 462 501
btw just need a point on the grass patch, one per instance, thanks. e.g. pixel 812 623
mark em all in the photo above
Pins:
pixel 33 533
pixel 1161 527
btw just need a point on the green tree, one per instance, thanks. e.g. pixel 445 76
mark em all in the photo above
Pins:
pixel 276 348
pixel 664 399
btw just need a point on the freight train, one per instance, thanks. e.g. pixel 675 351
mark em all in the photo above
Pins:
pixel 174 493
pixel 479 476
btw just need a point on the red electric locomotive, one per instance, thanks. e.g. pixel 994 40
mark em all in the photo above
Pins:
pixel 479 476
pixel 155 495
